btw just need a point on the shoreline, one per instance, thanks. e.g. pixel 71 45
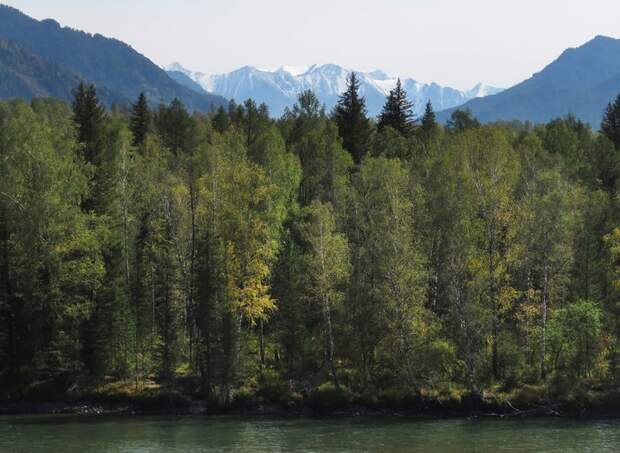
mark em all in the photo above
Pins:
pixel 483 410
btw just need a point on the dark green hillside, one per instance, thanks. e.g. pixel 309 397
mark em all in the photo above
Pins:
pixel 25 75
pixel 581 81
pixel 109 63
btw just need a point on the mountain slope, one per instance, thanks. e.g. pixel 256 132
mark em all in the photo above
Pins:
pixel 581 81
pixel 182 79
pixel 279 88
pixel 25 75
pixel 108 63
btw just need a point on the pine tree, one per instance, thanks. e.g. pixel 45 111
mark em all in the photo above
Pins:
pixel 88 115
pixel 174 125
pixel 140 121
pixel 221 120
pixel 429 123
pixel 350 115
pixel 610 127
pixel 397 112
pixel 256 120
pixel 308 105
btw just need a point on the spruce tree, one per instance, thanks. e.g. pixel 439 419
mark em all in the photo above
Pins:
pixel 308 105
pixel 174 125
pixel 89 115
pixel 140 120
pixel 221 120
pixel 397 112
pixel 429 123
pixel 350 115
pixel 90 119
pixel 610 127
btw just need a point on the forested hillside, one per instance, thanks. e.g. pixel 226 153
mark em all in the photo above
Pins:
pixel 25 75
pixel 580 81
pixel 57 53
pixel 318 255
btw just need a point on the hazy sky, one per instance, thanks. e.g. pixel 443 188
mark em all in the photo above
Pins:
pixel 452 42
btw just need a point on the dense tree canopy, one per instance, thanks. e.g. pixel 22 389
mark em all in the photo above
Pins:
pixel 274 260
pixel 610 126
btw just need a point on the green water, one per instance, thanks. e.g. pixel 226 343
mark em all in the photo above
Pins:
pixel 94 435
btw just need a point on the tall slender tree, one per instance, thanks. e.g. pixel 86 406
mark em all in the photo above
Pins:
pixel 140 120
pixel 353 124
pixel 610 127
pixel 174 125
pixel 429 122
pixel 88 115
pixel 328 267
pixel 221 120
pixel 397 112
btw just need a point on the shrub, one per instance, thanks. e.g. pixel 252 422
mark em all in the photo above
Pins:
pixel 575 338
pixel 328 396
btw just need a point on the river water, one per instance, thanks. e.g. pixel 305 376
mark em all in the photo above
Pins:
pixel 196 434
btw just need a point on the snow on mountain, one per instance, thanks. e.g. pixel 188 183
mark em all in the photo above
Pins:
pixel 177 67
pixel 279 88
pixel 293 70
pixel 481 90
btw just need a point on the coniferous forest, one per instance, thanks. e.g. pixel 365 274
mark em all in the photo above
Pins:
pixel 236 258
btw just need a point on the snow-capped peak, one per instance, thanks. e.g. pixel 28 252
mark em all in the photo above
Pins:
pixel 378 74
pixel 294 70
pixel 178 67
pixel 279 88
pixel 481 90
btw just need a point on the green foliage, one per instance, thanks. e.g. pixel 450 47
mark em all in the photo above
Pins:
pixel 140 121
pixel 51 260
pixel 327 396
pixel 353 125
pixel 461 120
pixel 327 267
pixel 174 125
pixel 57 58
pixel 574 333
pixel 324 163
pixel 89 116
pixel 250 260
pixel 388 142
pixel 221 121
pixel 610 126
pixel 429 124
pixel 397 112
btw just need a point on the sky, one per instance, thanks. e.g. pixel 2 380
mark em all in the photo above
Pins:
pixel 452 42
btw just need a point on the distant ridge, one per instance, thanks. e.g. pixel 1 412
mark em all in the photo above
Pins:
pixel 26 75
pixel 182 79
pixel 581 81
pixel 111 64
pixel 278 88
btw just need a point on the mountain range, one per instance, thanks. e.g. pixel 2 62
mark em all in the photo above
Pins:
pixel 279 88
pixel 41 58
pixel 581 81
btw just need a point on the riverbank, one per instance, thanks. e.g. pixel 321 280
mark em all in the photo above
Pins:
pixel 525 403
